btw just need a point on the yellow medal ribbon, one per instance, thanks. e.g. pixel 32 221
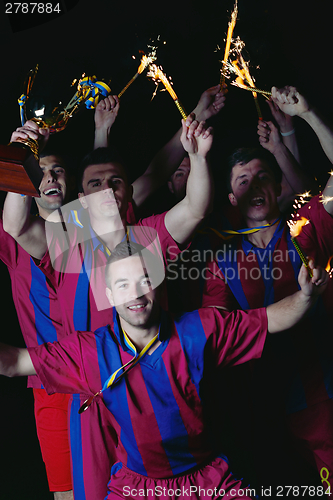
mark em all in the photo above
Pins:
pixel 113 378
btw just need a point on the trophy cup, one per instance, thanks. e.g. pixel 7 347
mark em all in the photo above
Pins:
pixel 19 161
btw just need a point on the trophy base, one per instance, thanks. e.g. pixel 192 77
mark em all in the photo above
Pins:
pixel 19 170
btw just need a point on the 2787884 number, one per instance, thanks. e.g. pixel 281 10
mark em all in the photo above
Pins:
pixel 32 8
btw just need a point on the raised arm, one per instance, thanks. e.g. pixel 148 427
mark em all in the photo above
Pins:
pixel 168 159
pixel 294 180
pixel 105 115
pixel 290 101
pixel 184 218
pixel 28 231
pixel 287 312
pixel 286 127
pixel 15 361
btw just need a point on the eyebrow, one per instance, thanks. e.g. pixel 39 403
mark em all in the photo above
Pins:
pixel 99 178
pixel 57 165
pixel 121 280
pixel 246 175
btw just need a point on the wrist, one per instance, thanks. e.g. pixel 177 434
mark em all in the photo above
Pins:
pixel 286 133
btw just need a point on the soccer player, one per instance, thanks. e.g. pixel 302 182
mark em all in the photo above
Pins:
pixel 148 370
pixel 261 267
pixel 39 316
pixel 104 197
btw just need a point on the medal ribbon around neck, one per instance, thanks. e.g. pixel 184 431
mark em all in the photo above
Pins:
pixel 224 233
pixel 113 379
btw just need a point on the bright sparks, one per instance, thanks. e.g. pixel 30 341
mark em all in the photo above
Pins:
pixel 231 27
pixel 297 226
pixel 326 199
pixel 157 75
pixel 144 63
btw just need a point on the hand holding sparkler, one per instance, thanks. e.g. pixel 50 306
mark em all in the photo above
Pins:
pixel 211 102
pixel 105 115
pixel 314 283
pixel 196 138
pixel 290 101
pixel 269 136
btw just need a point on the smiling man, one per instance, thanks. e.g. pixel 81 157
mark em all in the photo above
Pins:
pixel 77 252
pixel 39 315
pixel 148 373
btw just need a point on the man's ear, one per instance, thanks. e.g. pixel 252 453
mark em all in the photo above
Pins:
pixel 109 296
pixel 232 199
pixel 82 200
pixel 170 187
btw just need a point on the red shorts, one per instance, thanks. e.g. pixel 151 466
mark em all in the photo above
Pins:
pixel 312 430
pixel 212 481
pixel 52 431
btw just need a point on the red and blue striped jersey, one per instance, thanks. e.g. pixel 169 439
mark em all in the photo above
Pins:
pixel 34 297
pixel 254 277
pixel 79 257
pixel 157 407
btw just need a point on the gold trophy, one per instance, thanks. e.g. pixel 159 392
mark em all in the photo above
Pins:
pixel 19 161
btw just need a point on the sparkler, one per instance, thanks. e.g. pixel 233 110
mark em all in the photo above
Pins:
pixel 243 73
pixel 295 230
pixel 157 75
pixel 231 27
pixel 145 61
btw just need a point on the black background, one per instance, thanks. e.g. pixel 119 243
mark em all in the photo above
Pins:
pixel 289 41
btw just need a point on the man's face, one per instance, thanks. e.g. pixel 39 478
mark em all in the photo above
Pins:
pixel 53 185
pixel 105 191
pixel 178 181
pixel 133 293
pixel 255 191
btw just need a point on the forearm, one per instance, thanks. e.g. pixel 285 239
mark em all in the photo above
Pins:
pixel 200 187
pixel 16 214
pixel 101 139
pixel 323 130
pixel 15 361
pixel 288 312
pixel 291 143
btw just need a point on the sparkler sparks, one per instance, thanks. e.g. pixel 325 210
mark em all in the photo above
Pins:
pixel 241 68
pixel 231 27
pixel 157 75
pixel 295 229
pixel 145 61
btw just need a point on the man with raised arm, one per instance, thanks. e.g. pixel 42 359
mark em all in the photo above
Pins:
pixel 260 267
pixel 52 197
pixel 104 197
pixel 148 372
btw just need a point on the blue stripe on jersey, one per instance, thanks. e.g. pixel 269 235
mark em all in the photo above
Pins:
pixel 193 340
pixel 229 268
pixel 81 312
pixel 115 397
pixel 170 424
pixel 39 298
pixel 76 448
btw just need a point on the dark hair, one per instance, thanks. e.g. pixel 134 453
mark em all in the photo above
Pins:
pixel 97 157
pixel 69 162
pixel 245 155
pixel 127 249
